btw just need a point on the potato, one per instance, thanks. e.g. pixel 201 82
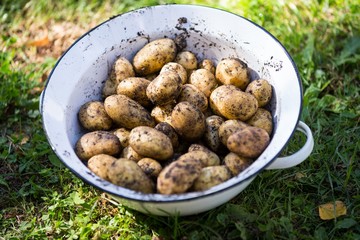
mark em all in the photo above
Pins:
pixel 187 59
pixel 261 90
pixel 150 167
pixel 233 71
pixel 150 142
pixel 232 103
pixel 188 121
pixel 123 135
pixel 120 70
pixel 92 116
pixel 262 119
pixel 229 127
pixel 128 174
pixel 210 177
pixel 207 157
pixel 193 95
pixel 204 80
pixel 99 165
pixel 126 112
pixel 236 163
pixel 131 154
pixel 154 55
pixel 135 88
pixel 162 113
pixel 169 131
pixel 165 88
pixel 211 135
pixel 97 142
pixel 208 65
pixel 179 175
pixel 178 68
pixel 249 142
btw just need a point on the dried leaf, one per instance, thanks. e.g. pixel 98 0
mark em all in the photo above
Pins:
pixel 332 210
pixel 39 43
pixel 24 140
pixel 300 175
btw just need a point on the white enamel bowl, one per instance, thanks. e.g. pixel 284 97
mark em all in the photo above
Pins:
pixel 211 33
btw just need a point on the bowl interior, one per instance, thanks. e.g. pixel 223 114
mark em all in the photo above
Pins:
pixel 80 73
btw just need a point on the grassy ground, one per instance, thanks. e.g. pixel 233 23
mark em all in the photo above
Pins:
pixel 41 199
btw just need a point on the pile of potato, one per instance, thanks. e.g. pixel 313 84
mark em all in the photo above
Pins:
pixel 169 124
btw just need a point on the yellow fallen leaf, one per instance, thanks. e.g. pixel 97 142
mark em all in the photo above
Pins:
pixel 39 43
pixel 332 210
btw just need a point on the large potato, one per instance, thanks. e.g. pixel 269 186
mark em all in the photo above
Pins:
pixel 207 157
pixel 235 163
pixel 210 177
pixel 128 174
pixel 135 88
pixel 97 142
pixel 154 55
pixel 100 163
pixel 249 142
pixel 232 103
pixel 188 121
pixel 179 175
pixel 261 90
pixel 262 119
pixel 204 80
pixel 150 167
pixel 165 88
pixel 120 70
pixel 233 71
pixel 211 135
pixel 126 112
pixel 176 67
pixel 229 127
pixel 193 95
pixel 92 116
pixel 150 142
pixel 169 131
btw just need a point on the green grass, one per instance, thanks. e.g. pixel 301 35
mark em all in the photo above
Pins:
pixel 41 199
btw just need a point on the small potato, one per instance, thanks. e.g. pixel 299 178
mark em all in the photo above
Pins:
pixel 176 67
pixel 97 142
pixel 165 88
pixel 208 65
pixel 92 116
pixel 236 163
pixel 229 127
pixel 100 163
pixel 179 175
pixel 126 112
pixel 193 95
pixel 120 70
pixel 207 157
pixel 150 142
pixel 232 103
pixel 135 88
pixel 162 113
pixel 154 55
pixel 233 71
pixel 131 154
pixel 211 135
pixel 261 90
pixel 204 80
pixel 128 174
pixel 123 135
pixel 169 131
pixel 187 59
pixel 150 167
pixel 249 142
pixel 188 121
pixel 210 177
pixel 262 119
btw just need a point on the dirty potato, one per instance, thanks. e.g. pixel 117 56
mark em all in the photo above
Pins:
pixel 233 71
pixel 92 116
pixel 150 142
pixel 178 68
pixel 204 80
pixel 187 59
pixel 128 174
pixel 262 119
pixel 193 95
pixel 210 177
pixel 97 142
pixel 208 65
pixel 123 135
pixel 261 90
pixel 150 167
pixel 99 164
pixel 129 153
pixel 162 113
pixel 154 55
pixel 135 88
pixel 169 131
pixel 229 127
pixel 120 70
pixel 235 163
pixel 211 135
pixel 165 88
pixel 188 121
pixel 249 142
pixel 205 155
pixel 232 103
pixel 126 112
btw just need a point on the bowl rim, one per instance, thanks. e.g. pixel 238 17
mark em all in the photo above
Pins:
pixel 156 197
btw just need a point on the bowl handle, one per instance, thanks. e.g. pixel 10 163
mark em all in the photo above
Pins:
pixel 299 156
